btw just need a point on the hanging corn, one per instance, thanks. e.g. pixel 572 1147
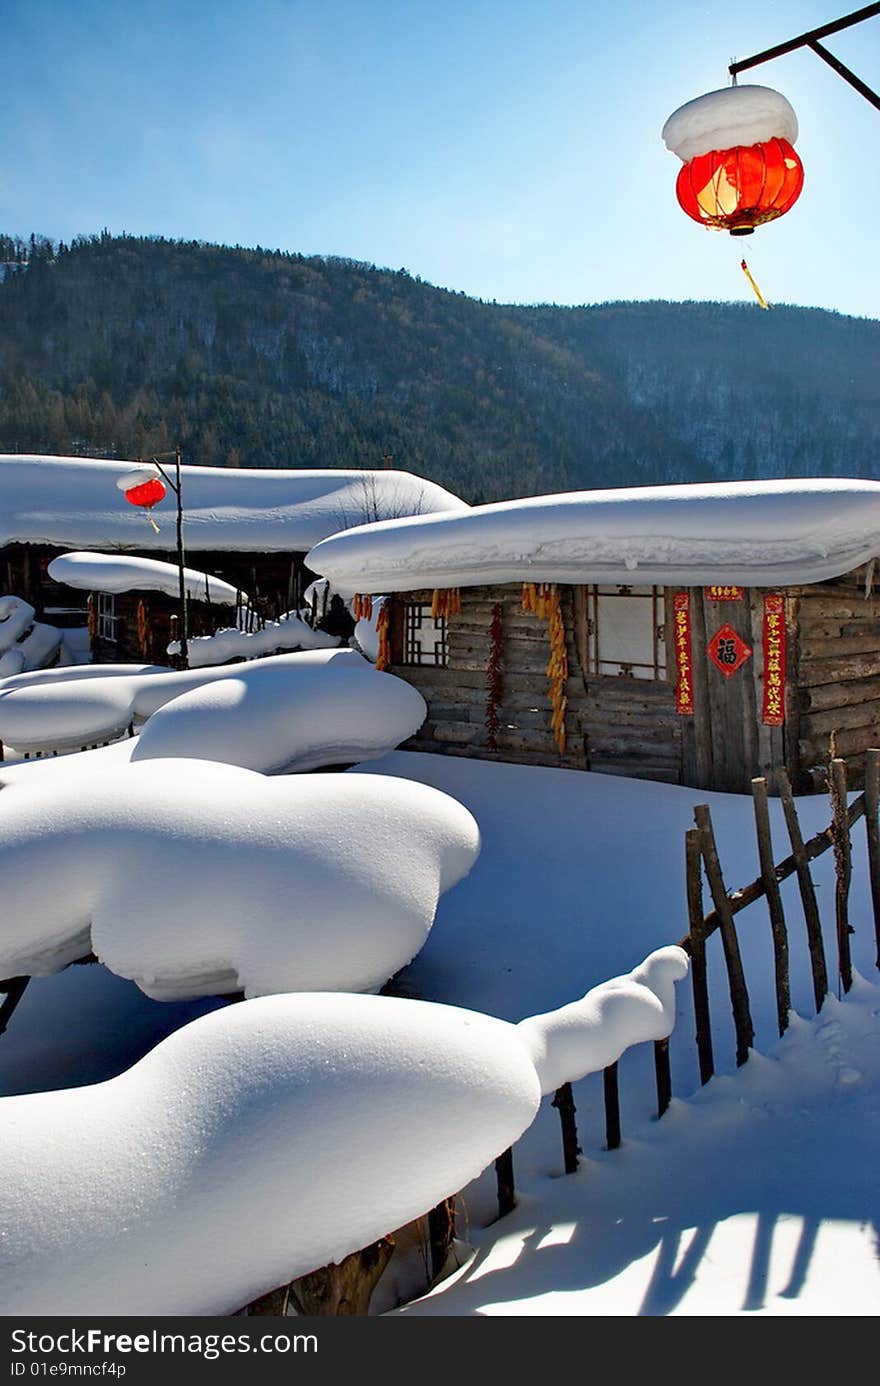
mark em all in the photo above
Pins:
pixel 557 669
pixel 541 599
pixel 362 607
pixel 92 619
pixel 143 631
pixel 445 602
pixel 383 658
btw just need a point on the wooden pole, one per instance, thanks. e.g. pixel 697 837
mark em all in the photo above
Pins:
pixel 739 996
pixel 181 564
pixel 663 1074
pixel 612 1107
pixel 842 869
pixel 441 1233
pixel 506 1184
pixel 774 902
pixel 807 889
pixel 14 989
pixel 699 978
pixel 872 803
pixel 563 1101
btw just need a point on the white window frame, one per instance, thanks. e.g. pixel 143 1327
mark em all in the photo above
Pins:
pixel 654 667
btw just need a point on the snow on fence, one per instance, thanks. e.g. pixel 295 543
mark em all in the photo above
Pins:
pixel 702 855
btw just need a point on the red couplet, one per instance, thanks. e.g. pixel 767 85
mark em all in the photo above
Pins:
pixel 738 189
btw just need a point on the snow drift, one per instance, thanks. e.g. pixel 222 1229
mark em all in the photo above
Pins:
pixel 71 712
pixel 116 573
pixel 288 633
pixel 196 879
pixel 749 533
pixel 73 501
pixel 315 1123
pixel 287 717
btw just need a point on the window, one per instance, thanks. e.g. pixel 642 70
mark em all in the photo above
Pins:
pixel 626 632
pixel 424 636
pixel 106 617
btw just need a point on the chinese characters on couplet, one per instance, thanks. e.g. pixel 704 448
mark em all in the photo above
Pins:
pixel 684 689
pixel 724 594
pixel 773 710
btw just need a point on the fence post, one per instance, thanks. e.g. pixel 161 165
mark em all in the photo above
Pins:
pixel 505 1180
pixel 563 1101
pixel 663 1074
pixel 774 902
pixel 612 1107
pixel 872 803
pixel 693 866
pixel 842 869
pixel 739 996
pixel 807 889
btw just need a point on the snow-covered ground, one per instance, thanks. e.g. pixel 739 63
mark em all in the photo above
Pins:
pixel 757 1194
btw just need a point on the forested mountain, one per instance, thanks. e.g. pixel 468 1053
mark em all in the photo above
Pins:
pixel 124 345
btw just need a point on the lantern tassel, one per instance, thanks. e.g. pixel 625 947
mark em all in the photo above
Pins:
pixel 758 295
pixel 153 523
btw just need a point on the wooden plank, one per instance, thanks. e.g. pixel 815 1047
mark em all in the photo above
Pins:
pixel 816 724
pixel 872 801
pixel 847 742
pixel 837 670
pixel 837 695
pixel 842 869
pixel 807 891
pixel 739 999
pixel 697 950
pixel 813 647
pixel 774 903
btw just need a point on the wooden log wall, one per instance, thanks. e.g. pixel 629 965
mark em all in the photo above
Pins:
pixel 838 676
pixel 456 695
pixel 613 725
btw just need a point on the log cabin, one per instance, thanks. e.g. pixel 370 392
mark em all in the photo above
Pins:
pixel 250 528
pixel 697 635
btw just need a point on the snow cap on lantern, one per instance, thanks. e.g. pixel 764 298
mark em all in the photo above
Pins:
pixel 143 486
pixel 740 168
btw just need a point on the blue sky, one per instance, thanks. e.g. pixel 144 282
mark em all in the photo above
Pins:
pixel 509 148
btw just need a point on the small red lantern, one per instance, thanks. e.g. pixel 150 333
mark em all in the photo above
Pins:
pixel 143 488
pixel 146 493
pixel 740 168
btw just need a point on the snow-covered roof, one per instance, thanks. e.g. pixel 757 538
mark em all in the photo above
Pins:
pixel 751 533
pixel 727 118
pixel 111 572
pixel 74 501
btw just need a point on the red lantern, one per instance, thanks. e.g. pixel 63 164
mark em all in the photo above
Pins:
pixel 738 189
pixel 146 494
pixel 740 168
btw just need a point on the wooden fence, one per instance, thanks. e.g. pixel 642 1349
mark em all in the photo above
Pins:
pixel 701 855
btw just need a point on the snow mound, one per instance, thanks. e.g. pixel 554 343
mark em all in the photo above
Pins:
pixel 114 572
pixel 748 533
pixel 588 1035
pixel 73 501
pixel 195 879
pixel 727 118
pixel 287 718
pixel 42 678
pixel 295 1129
pixel 25 644
pixel 290 633
pixel 71 712
pixel 16 616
